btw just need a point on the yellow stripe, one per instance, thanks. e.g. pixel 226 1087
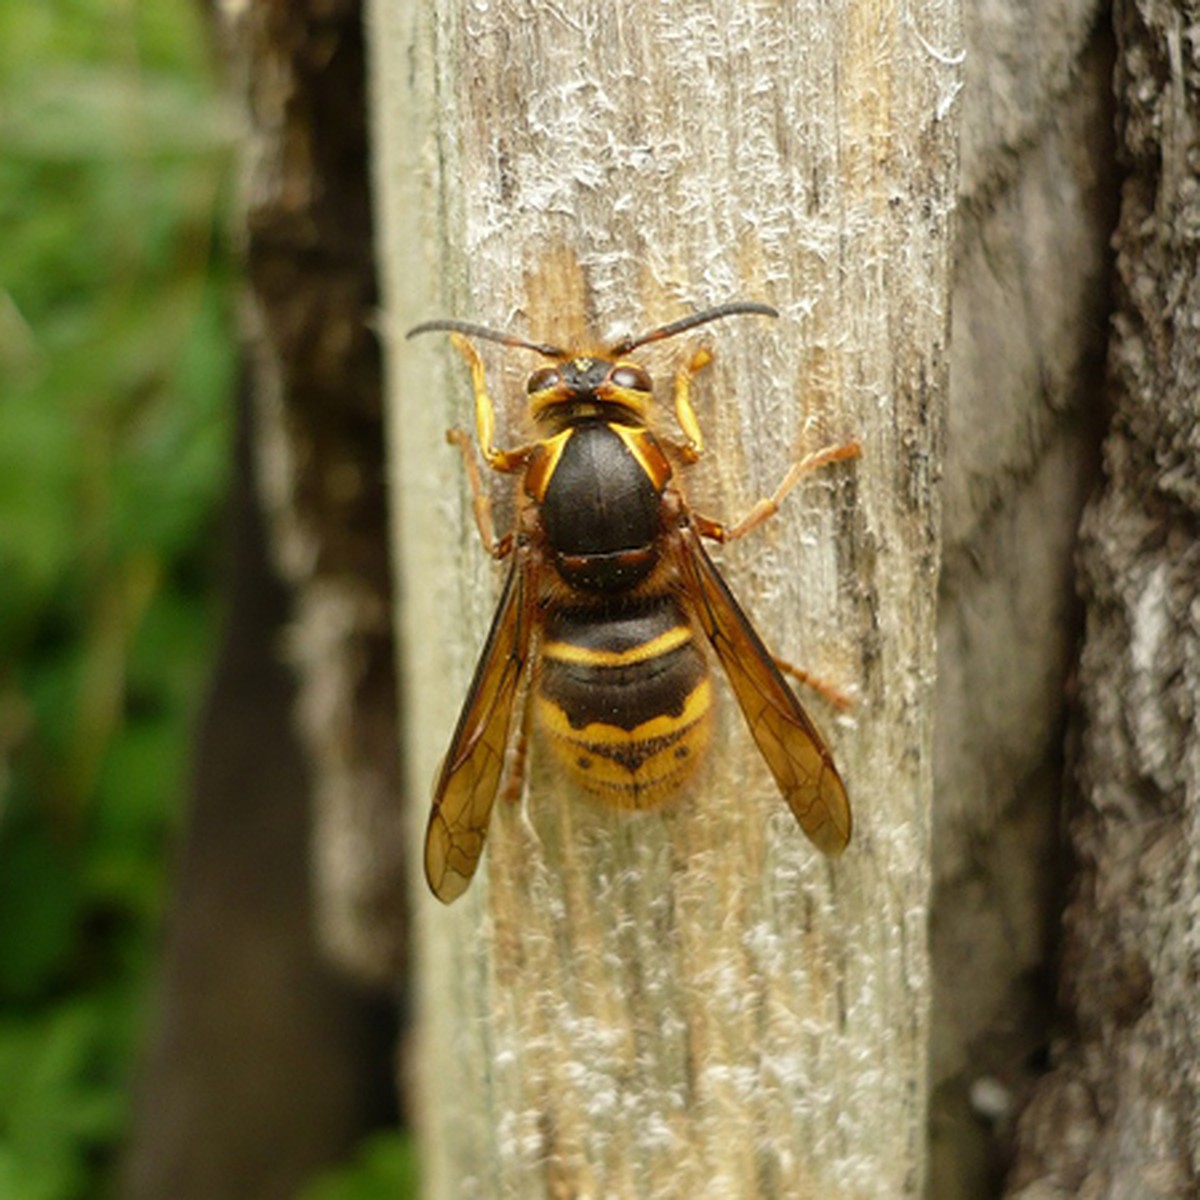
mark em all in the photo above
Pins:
pixel 664 643
pixel 542 468
pixel 555 721
pixel 649 457
pixel 595 767
pixel 608 773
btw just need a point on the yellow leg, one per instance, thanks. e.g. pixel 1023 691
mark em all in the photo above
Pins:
pixel 685 414
pixel 485 414
pixel 769 505
pixel 481 503
pixel 834 696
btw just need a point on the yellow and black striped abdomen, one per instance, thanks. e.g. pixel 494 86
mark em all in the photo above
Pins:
pixel 624 698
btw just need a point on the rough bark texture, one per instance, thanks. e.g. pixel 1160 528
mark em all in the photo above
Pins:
pixel 1031 298
pixel 309 247
pixel 686 1002
pixel 1120 1114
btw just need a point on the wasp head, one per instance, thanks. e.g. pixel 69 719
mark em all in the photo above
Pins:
pixel 582 384
pixel 585 385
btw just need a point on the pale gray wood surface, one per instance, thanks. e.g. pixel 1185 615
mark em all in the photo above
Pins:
pixel 689 1002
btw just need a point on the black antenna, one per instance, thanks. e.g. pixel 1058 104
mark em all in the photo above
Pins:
pixel 624 346
pixel 684 323
pixel 491 335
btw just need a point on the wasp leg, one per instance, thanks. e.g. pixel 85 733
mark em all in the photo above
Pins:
pixel 685 414
pixel 485 414
pixel 481 503
pixel 832 695
pixel 769 505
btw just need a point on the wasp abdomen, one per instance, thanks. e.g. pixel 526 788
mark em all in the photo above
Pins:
pixel 625 699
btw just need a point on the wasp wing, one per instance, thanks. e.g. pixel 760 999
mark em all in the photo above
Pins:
pixel 787 739
pixel 471 771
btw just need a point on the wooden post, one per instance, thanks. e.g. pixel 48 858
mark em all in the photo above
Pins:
pixel 693 1001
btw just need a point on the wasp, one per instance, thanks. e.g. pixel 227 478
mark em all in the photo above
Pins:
pixel 600 632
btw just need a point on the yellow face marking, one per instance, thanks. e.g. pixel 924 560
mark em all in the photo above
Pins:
pixel 637 400
pixel 568 652
pixel 539 401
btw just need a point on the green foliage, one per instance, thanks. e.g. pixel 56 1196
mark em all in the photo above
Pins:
pixel 384 1168
pixel 116 370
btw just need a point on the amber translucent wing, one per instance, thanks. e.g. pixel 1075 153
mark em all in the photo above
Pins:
pixel 471 771
pixel 787 739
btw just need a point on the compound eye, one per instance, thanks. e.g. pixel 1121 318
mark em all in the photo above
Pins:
pixel 543 380
pixel 630 379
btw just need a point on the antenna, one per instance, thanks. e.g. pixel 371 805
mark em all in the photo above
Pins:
pixel 491 335
pixel 733 308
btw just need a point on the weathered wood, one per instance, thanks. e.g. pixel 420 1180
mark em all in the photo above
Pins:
pixel 1120 1114
pixel 688 1002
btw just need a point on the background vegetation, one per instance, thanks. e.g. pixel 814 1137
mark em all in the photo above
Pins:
pixel 115 368
pixel 117 363
pixel 116 382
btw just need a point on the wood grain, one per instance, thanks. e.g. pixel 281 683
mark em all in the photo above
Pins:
pixel 687 1002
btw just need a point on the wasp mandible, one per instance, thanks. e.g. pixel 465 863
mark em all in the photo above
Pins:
pixel 599 636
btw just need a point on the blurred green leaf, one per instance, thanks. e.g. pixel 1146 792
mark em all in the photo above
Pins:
pixel 383 1168
pixel 114 432
pixel 58 1105
pixel 40 904
pixel 127 116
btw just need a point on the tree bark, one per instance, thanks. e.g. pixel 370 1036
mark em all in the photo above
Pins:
pixel 685 1002
pixel 1118 1116
pixel 1030 307
pixel 298 69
